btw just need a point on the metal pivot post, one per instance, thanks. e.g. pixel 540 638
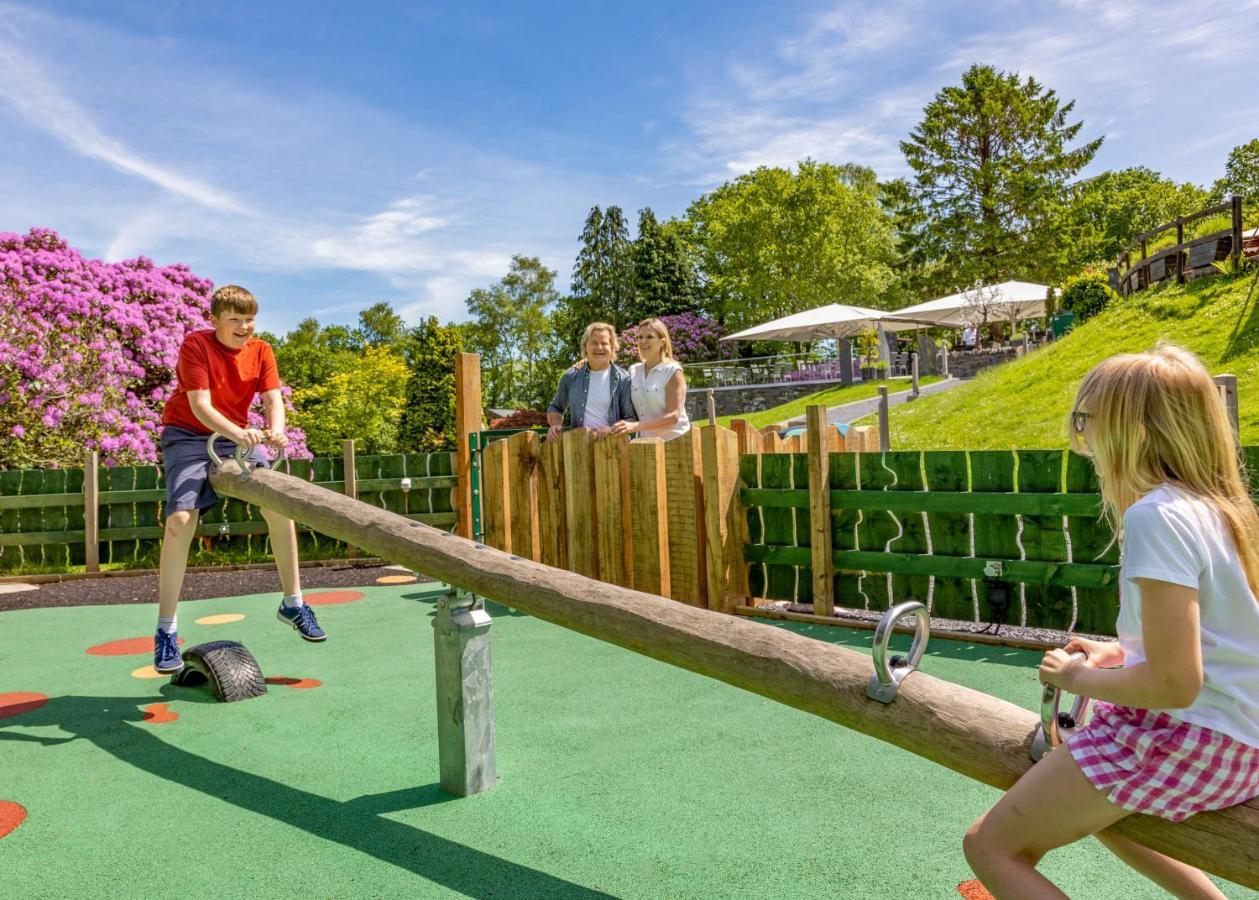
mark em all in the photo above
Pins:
pixel 465 707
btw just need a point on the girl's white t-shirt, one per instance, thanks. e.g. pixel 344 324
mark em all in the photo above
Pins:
pixel 599 400
pixel 1175 536
pixel 647 393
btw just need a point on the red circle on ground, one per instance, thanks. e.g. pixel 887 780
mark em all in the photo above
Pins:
pixel 11 814
pixel 19 702
pixel 327 598
pixel 974 890
pixel 125 647
pixel 159 714
pixel 300 684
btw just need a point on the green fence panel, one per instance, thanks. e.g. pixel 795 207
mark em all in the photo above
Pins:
pixel 948 471
pixel 1042 537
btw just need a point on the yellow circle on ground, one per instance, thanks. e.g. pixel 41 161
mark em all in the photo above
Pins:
pixel 396 579
pixel 147 672
pixel 221 619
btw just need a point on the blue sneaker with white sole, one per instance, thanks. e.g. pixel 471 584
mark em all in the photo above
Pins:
pixel 301 618
pixel 166 657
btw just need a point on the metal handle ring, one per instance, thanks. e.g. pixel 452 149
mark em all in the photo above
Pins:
pixel 241 459
pixel 1055 727
pixel 888 675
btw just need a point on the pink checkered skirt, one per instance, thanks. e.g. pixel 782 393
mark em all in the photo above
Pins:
pixel 1148 762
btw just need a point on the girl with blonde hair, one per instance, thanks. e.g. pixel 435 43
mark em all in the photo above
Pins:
pixel 1175 727
pixel 657 387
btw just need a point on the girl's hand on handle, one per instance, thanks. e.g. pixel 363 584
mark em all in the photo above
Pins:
pixel 1059 668
pixel 1101 654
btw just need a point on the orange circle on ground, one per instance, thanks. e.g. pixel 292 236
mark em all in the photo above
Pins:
pixel 300 684
pixel 125 647
pixel 396 579
pixel 327 598
pixel 974 890
pixel 221 619
pixel 159 714
pixel 147 672
pixel 11 816
pixel 20 702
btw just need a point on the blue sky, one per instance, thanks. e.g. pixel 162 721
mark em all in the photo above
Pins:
pixel 329 156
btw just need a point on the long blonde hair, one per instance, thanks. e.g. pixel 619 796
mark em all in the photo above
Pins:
pixel 662 332
pixel 1158 417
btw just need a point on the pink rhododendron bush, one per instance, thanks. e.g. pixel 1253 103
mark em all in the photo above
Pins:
pixel 88 352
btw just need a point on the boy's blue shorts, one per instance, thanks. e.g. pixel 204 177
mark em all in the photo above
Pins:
pixel 187 465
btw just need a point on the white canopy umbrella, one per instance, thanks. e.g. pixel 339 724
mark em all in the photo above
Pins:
pixel 834 320
pixel 1009 301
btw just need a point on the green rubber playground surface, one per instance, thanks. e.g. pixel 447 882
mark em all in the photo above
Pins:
pixel 619 776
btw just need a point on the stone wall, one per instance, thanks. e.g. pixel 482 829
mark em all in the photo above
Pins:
pixel 748 398
pixel 967 365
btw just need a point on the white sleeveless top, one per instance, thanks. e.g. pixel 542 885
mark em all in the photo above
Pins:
pixel 648 396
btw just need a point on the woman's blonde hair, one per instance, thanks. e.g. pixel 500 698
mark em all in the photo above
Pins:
pixel 662 332
pixel 591 329
pixel 1158 417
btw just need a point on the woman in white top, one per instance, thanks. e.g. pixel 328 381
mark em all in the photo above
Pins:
pixel 657 387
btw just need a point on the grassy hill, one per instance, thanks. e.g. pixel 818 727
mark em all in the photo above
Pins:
pixel 1024 404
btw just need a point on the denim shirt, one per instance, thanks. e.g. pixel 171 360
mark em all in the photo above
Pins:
pixel 570 396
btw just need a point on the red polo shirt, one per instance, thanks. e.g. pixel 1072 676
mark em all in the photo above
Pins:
pixel 233 378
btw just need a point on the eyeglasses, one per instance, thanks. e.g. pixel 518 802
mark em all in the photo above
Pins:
pixel 1079 420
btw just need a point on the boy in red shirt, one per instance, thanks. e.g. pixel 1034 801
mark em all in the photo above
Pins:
pixel 219 372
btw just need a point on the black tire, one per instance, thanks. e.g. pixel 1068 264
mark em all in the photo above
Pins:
pixel 229 669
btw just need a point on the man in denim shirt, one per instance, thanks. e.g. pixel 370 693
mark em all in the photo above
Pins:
pixel 595 392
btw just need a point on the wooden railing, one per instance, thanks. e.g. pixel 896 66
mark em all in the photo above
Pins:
pixel 83 516
pixel 1183 259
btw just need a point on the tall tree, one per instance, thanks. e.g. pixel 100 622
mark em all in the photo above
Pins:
pixel 428 421
pixel 1241 174
pixel 511 330
pixel 603 276
pixel 309 354
pixel 380 326
pixel 775 242
pixel 990 163
pixel 665 282
pixel 1106 212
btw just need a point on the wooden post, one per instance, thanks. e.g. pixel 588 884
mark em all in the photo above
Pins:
pixel 611 504
pixel 91 511
pixel 1180 250
pixel 351 483
pixel 522 465
pixel 649 529
pixel 496 511
pixel 467 423
pixel 944 361
pixel 823 568
pixel 913 371
pixel 885 428
pixel 933 718
pixel 749 438
pixel 723 517
pixel 579 501
pixel 685 509
pixel 552 511
pixel 351 474
pixel 1227 385
pixel 712 407
pixel 1237 231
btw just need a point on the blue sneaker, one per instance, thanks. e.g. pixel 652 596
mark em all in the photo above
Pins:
pixel 303 619
pixel 166 658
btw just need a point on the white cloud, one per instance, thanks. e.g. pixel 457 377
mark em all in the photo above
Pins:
pixel 38 100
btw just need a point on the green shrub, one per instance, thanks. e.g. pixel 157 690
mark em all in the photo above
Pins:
pixel 1086 295
pixel 428 419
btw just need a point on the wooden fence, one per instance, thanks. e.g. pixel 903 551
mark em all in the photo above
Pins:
pixel 48 516
pixel 734 519
pixel 1183 259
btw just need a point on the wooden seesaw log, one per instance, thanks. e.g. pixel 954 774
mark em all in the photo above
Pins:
pixel 975 734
